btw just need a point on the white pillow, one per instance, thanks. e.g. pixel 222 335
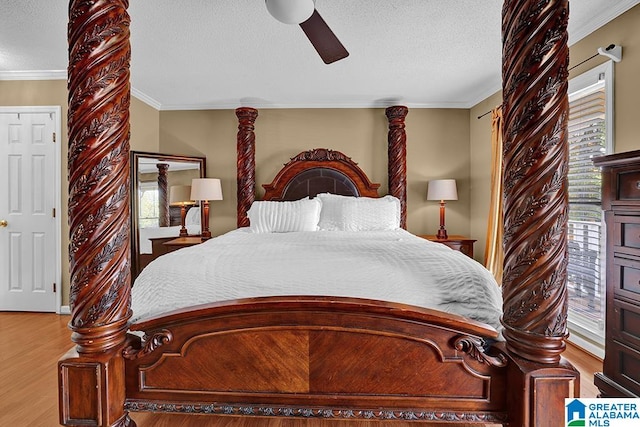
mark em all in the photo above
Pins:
pixel 346 213
pixel 283 217
pixel 193 216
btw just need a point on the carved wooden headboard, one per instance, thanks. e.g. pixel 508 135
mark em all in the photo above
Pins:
pixel 319 171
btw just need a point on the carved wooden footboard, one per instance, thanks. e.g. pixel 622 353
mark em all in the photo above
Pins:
pixel 317 357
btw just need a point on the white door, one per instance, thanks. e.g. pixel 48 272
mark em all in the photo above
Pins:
pixel 29 205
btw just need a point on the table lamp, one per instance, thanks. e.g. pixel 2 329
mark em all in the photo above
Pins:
pixel 442 189
pixel 180 195
pixel 204 190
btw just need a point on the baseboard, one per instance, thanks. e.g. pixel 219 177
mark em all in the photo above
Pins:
pixel 65 309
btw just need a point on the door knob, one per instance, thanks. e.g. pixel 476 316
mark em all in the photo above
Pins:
pixel 3 223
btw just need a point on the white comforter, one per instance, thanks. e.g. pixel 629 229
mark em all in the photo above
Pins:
pixel 393 266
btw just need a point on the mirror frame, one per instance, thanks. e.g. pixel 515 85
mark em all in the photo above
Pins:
pixel 134 158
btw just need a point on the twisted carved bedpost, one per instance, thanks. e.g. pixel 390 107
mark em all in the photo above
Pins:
pixel 163 195
pixel 246 170
pixel 535 190
pixel 535 106
pixel 92 375
pixel 397 158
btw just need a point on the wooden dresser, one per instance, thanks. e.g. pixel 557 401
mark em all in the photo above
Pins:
pixel 621 203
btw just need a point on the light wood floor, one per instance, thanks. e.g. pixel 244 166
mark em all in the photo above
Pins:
pixel 32 343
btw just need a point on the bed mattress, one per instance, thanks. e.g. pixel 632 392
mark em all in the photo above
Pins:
pixel 394 266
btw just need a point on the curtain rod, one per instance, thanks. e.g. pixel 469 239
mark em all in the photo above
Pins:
pixel 611 46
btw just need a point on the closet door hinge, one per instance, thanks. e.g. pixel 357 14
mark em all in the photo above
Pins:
pixel 54 137
pixel 54 288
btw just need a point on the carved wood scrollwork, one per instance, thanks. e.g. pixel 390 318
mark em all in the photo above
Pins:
pixel 320 155
pixel 474 347
pixel 323 413
pixel 125 421
pixel 246 168
pixel 149 345
pixel 99 98
pixel 535 107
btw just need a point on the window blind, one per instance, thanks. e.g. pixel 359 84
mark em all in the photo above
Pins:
pixel 585 271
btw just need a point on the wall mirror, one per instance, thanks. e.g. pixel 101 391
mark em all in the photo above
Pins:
pixel 155 214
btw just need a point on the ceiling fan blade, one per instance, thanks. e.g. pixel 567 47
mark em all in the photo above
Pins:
pixel 323 40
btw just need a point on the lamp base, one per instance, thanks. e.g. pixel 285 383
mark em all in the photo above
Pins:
pixel 183 213
pixel 206 234
pixel 442 234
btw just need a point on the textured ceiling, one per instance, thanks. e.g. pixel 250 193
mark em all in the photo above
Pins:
pixel 200 54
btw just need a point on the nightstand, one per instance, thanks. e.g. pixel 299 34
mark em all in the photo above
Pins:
pixel 458 243
pixel 182 242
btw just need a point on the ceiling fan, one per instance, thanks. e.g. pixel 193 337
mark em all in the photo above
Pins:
pixel 304 13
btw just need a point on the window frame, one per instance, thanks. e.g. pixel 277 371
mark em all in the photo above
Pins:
pixel 580 86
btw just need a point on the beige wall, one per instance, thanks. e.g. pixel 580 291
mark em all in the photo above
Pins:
pixel 622 31
pixel 437 147
pixel 145 126
pixel 144 136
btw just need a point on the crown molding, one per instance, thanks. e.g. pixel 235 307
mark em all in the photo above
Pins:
pixel 146 99
pixel 34 75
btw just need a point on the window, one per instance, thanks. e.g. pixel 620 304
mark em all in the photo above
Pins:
pixel 148 205
pixel 590 135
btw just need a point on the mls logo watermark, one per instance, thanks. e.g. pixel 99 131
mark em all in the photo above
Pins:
pixel 602 412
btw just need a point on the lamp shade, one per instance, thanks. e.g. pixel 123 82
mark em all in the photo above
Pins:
pixel 206 189
pixel 290 11
pixel 442 189
pixel 180 195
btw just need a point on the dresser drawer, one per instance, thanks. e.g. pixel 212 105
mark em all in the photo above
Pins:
pixel 461 246
pixel 622 364
pixel 626 278
pixel 625 323
pixel 629 185
pixel 626 231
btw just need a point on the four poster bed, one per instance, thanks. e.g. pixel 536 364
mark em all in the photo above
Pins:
pixel 319 356
pixel 316 355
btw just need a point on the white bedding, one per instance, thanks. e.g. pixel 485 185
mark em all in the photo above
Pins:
pixel 392 265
